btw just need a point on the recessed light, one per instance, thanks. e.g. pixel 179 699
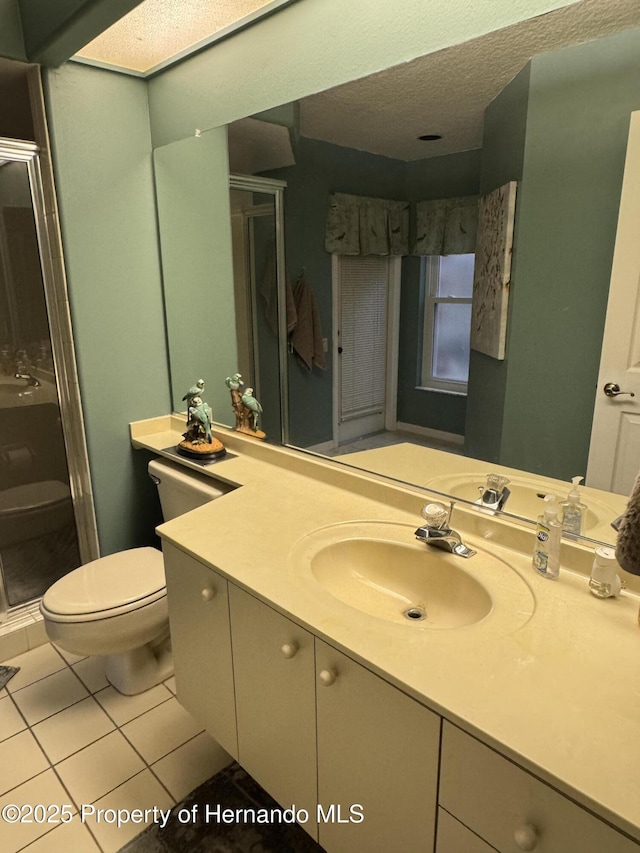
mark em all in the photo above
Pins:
pixel 430 137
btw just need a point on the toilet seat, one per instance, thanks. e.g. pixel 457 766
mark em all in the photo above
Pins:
pixel 33 496
pixel 107 587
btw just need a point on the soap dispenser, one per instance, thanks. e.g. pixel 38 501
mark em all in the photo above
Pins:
pixel 605 581
pixel 573 510
pixel 546 551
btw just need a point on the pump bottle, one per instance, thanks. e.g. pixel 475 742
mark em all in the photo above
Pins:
pixel 546 551
pixel 573 510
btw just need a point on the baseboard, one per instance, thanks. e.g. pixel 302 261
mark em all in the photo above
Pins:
pixel 321 448
pixel 427 432
pixel 20 633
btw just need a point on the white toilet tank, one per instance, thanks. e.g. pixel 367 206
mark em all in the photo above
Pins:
pixel 182 489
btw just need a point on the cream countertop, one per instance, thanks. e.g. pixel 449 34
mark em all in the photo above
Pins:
pixel 461 475
pixel 558 694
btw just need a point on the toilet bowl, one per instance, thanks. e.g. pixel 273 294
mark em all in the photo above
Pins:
pixel 33 510
pixel 116 606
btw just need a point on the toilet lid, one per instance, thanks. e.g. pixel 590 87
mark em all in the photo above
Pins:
pixel 119 580
pixel 33 496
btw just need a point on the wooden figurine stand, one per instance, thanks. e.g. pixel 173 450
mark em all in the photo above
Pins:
pixel 244 415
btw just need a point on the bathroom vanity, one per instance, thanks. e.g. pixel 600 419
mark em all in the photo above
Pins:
pixel 508 726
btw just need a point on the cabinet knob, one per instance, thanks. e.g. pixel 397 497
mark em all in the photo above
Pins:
pixel 289 650
pixel 208 593
pixel 526 837
pixel 327 677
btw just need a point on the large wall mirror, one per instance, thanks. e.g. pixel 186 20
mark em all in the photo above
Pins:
pixel 546 109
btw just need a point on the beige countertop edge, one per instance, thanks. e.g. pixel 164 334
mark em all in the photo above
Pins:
pixel 555 695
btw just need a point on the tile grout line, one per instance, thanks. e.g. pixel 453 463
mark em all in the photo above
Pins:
pixel 117 727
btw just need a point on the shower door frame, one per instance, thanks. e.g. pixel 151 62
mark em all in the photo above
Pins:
pixel 45 215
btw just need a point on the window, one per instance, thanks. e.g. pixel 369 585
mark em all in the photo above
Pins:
pixel 447 288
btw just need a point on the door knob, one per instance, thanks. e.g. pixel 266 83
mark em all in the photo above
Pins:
pixel 612 389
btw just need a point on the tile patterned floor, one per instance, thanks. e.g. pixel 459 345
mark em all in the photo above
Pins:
pixel 67 737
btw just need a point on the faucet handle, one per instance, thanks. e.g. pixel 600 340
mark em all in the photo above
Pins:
pixel 436 514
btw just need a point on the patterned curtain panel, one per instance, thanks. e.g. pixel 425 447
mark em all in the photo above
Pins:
pixel 447 226
pixel 366 226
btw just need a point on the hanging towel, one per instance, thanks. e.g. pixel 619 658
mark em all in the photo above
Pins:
pixel 269 291
pixel 306 339
pixel 628 544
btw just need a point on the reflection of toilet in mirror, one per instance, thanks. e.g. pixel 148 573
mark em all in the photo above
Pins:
pixel 117 605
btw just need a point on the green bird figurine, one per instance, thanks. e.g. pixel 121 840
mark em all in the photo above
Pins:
pixel 253 405
pixel 195 391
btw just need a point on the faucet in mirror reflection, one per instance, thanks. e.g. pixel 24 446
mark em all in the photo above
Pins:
pixel 494 494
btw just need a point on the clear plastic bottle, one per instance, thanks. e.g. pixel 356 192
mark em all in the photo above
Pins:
pixel 546 551
pixel 604 581
pixel 573 510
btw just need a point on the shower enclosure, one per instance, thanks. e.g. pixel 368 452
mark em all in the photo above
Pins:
pixel 46 512
pixel 257 231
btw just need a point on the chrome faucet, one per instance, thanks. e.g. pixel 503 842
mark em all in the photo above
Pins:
pixel 31 380
pixel 495 493
pixel 437 530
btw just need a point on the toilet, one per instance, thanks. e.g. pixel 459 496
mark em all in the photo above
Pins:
pixel 116 606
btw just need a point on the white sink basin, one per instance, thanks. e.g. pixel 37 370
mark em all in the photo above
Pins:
pixel 379 569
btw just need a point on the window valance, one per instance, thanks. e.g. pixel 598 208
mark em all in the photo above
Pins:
pixel 446 226
pixel 357 225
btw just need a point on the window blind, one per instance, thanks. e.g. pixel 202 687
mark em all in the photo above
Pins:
pixel 363 335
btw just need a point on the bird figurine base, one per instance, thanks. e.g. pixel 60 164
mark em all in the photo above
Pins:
pixel 246 430
pixel 203 451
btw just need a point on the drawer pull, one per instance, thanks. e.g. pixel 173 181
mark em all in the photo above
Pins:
pixel 328 677
pixel 289 650
pixel 526 837
pixel 208 593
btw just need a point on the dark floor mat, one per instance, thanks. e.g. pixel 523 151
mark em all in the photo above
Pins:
pixel 231 788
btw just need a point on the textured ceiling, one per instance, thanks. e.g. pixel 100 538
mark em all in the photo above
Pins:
pixel 447 92
pixel 157 30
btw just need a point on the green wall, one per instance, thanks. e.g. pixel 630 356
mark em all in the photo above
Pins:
pixel 576 136
pixel 503 143
pixel 11 39
pixel 102 157
pixel 192 189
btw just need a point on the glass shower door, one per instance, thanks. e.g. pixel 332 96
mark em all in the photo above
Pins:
pixel 38 535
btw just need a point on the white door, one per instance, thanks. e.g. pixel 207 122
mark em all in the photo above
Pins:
pixel 614 453
pixel 364 297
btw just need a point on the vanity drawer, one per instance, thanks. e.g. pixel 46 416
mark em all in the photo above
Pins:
pixel 502 803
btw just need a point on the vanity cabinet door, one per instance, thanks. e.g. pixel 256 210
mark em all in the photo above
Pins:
pixel 201 641
pixel 513 810
pixel 275 702
pixel 377 761
pixel 453 837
